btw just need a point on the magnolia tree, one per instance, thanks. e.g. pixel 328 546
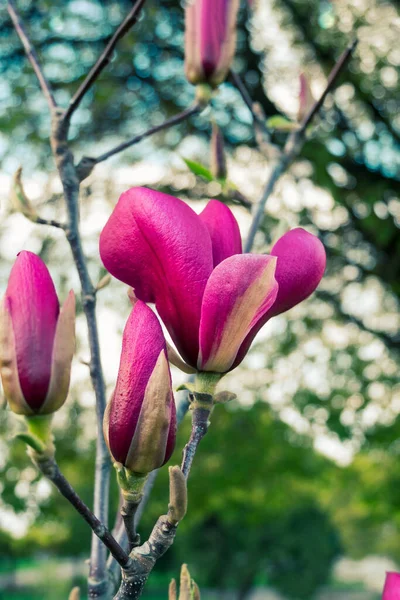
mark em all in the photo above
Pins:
pixel 211 296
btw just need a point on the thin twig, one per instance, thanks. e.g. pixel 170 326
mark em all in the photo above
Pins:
pixel 293 146
pixel 31 54
pixel 50 469
pixel 175 120
pixel 249 102
pixel 105 58
pixel 50 222
pixel 128 511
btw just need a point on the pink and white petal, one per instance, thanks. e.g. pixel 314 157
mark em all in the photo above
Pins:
pixel 8 364
pixel 176 360
pixel 240 290
pixel 300 266
pixel 223 229
pixel 63 352
pixel 391 591
pixel 158 245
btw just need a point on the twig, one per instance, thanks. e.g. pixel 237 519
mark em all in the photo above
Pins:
pixel 31 54
pixel 128 511
pixel 249 102
pixel 50 469
pixel 50 222
pixel 87 163
pixel 104 59
pixel 293 146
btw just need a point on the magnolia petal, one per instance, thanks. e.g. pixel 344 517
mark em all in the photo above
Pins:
pixel 8 364
pixel 300 265
pixel 193 66
pixel 34 310
pixel 223 229
pixel 63 352
pixel 148 447
pixel 176 360
pixel 142 343
pixel 159 246
pixel 228 47
pixel 240 290
pixel 391 591
pixel 106 423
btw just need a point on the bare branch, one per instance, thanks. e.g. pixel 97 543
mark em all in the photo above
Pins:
pixel 50 469
pixel 31 54
pixel 294 145
pixel 258 121
pixel 87 163
pixel 105 58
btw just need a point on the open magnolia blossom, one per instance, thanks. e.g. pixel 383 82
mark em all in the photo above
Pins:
pixel 210 39
pixel 37 339
pixel 140 419
pixel 212 298
pixel 391 591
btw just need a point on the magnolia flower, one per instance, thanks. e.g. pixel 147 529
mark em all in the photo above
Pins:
pixel 210 39
pixel 212 298
pixel 391 591
pixel 37 339
pixel 140 419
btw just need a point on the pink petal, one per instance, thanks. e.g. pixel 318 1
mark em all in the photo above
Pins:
pixel 142 343
pixel 223 229
pixel 299 269
pixel 34 310
pixel 391 591
pixel 159 246
pixel 240 290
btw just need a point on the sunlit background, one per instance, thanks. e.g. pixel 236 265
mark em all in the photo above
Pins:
pixel 295 492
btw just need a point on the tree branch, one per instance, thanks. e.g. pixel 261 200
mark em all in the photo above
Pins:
pixel 50 469
pixel 31 54
pixel 237 81
pixel 144 557
pixel 104 59
pixel 293 146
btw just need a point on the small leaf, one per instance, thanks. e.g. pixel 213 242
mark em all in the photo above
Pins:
pixel 279 123
pixel 199 170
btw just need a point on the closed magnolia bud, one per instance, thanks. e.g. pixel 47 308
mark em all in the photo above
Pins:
pixel 37 339
pixel 218 159
pixel 210 39
pixel 140 419
pixel 306 98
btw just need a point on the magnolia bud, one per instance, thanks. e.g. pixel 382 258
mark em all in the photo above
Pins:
pixel 218 159
pixel 210 39
pixel 140 419
pixel 37 339
pixel 306 98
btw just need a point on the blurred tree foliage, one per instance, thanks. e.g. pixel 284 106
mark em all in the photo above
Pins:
pixel 332 372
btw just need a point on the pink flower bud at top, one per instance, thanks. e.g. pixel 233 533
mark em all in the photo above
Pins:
pixel 391 591
pixel 37 340
pixel 140 419
pixel 210 39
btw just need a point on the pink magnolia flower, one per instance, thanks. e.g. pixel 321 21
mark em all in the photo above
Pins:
pixel 140 419
pixel 37 339
pixel 210 39
pixel 391 591
pixel 212 298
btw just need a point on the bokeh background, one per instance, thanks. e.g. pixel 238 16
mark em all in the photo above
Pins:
pixel 295 493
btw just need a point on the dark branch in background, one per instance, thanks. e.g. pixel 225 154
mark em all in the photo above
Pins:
pixel 31 54
pixel 105 58
pixel 236 79
pixel 293 146
pixel 50 469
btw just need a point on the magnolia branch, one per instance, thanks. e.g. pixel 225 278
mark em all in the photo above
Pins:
pixel 294 145
pixel 50 469
pixel 144 557
pixel 105 58
pixel 87 163
pixel 31 54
